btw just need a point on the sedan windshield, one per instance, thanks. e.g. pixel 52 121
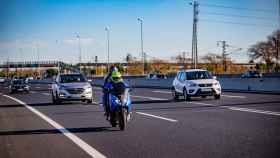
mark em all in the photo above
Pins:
pixel 197 75
pixel 72 78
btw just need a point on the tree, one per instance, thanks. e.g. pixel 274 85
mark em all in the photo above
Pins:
pixel 51 72
pixel 266 51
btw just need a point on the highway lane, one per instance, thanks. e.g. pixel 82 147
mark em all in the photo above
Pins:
pixel 204 127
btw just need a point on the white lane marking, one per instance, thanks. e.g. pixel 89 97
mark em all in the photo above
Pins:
pixel 37 87
pixel 199 103
pixel 151 98
pixel 165 92
pixel 233 96
pixel 33 92
pixel 47 94
pixel 82 144
pixel 255 111
pixel 159 117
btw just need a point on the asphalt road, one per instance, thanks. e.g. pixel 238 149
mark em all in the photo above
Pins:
pixel 238 125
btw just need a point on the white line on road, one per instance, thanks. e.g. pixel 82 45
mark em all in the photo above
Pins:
pixel 199 103
pixel 37 87
pixel 47 94
pixel 151 98
pixel 33 92
pixel 159 117
pixel 255 111
pixel 82 144
pixel 165 92
pixel 233 96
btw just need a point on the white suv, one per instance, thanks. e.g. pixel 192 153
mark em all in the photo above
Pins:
pixel 71 87
pixel 195 82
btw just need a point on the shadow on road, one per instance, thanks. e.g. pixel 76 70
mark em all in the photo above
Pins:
pixel 56 131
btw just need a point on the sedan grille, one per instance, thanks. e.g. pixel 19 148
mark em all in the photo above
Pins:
pixel 75 90
pixel 205 85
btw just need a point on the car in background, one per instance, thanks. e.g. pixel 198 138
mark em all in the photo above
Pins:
pixel 195 82
pixel 156 76
pixel 2 80
pixel 71 87
pixel 18 85
pixel 251 74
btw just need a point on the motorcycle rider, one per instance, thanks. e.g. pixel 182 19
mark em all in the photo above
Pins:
pixel 106 90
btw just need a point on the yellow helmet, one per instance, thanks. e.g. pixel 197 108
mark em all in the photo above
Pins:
pixel 116 77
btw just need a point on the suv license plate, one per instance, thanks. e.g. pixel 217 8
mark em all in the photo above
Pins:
pixel 206 90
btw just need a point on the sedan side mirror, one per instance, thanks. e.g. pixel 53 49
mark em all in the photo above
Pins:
pixel 214 77
pixel 89 80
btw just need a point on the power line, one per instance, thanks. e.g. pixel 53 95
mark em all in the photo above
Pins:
pixel 237 8
pixel 238 16
pixel 237 23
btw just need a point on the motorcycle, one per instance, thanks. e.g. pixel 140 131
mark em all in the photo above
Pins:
pixel 120 108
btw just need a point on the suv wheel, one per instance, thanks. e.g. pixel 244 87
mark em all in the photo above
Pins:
pixel 174 94
pixel 217 96
pixel 186 96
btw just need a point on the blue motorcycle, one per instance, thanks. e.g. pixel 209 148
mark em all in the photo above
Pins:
pixel 117 97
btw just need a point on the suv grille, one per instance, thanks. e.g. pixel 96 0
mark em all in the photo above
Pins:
pixel 75 90
pixel 205 85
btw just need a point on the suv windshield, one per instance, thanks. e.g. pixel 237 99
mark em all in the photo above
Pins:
pixel 197 75
pixel 17 82
pixel 72 78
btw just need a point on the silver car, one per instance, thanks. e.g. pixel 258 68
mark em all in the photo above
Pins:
pixel 71 87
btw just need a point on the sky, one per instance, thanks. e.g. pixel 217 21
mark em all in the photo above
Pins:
pixel 48 29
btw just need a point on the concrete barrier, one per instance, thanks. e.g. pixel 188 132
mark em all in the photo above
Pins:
pixel 264 85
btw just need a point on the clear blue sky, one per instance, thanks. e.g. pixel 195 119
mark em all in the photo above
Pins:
pixel 51 26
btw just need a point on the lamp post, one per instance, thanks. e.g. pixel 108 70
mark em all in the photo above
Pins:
pixel 142 49
pixel 80 52
pixel 108 47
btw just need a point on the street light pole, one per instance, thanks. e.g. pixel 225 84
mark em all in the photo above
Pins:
pixel 142 49
pixel 108 47
pixel 80 52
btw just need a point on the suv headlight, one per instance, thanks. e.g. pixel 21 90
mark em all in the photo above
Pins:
pixel 88 89
pixel 216 83
pixel 61 87
pixel 192 84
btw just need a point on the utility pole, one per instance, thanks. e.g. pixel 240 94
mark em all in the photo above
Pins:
pixel 224 45
pixel 184 60
pixel 195 5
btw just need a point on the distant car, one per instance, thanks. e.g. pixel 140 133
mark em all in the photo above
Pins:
pixel 71 87
pixel 18 85
pixel 2 80
pixel 156 76
pixel 195 82
pixel 251 74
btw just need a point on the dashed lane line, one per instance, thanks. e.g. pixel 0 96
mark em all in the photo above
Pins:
pixel 233 96
pixel 159 117
pixel 255 111
pixel 78 141
pixel 144 97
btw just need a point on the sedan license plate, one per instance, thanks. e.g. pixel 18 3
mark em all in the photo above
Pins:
pixel 206 90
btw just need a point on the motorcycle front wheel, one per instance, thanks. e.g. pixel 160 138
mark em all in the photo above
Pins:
pixel 122 118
